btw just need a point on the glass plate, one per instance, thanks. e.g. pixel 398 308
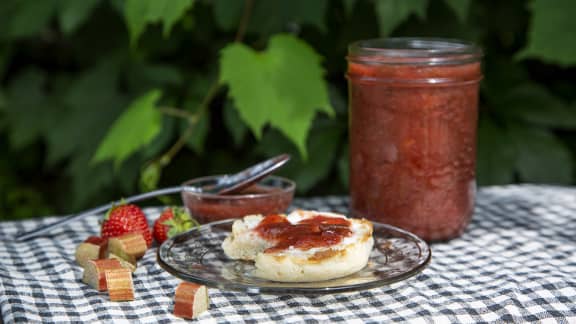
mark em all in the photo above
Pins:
pixel 196 256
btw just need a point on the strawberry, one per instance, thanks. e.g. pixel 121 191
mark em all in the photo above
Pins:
pixel 123 219
pixel 172 221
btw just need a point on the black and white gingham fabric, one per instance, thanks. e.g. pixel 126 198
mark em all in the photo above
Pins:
pixel 515 263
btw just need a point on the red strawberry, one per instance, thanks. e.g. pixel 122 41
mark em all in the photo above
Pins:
pixel 123 219
pixel 172 221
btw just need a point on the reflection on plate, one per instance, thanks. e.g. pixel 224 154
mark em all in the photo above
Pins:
pixel 196 256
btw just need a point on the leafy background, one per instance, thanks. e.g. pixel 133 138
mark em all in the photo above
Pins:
pixel 105 98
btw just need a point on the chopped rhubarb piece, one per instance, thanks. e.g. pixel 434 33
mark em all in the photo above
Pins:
pixel 86 252
pixel 190 300
pixel 92 248
pixel 128 264
pixel 94 272
pixel 120 287
pixel 129 246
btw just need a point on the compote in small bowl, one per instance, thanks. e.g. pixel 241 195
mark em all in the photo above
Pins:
pixel 270 195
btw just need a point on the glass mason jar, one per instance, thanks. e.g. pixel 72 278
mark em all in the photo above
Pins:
pixel 413 114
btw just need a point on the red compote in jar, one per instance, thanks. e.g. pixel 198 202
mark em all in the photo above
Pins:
pixel 413 113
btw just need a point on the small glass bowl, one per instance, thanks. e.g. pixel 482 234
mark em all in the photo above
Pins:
pixel 270 195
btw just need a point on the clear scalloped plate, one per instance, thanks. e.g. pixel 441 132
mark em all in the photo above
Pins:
pixel 196 256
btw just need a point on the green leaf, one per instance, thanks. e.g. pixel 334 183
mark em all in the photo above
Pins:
pixel 271 16
pixel 236 127
pixel 282 86
pixel 150 176
pixel 162 74
pixel 28 108
pixel 501 76
pixel 143 76
pixel 276 15
pixel 136 16
pixel 322 145
pixel 199 87
pixel 496 154
pixel 228 13
pixel 92 103
pixel 392 13
pixel 139 13
pixel 551 32
pixel 542 157
pixel 117 5
pixel 72 13
pixel 27 18
pixel 199 133
pixel 533 103
pixel 460 8
pixel 161 142
pixel 135 128
pixel 82 172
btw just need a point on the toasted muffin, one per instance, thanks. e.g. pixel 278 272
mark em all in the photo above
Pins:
pixel 303 246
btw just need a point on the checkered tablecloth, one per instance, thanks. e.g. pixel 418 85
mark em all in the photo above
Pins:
pixel 515 263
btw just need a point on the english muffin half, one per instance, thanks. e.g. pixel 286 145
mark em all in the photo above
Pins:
pixel 303 246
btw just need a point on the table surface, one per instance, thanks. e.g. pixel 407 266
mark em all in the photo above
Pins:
pixel 515 263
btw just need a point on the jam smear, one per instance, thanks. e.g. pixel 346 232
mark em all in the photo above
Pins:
pixel 317 231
